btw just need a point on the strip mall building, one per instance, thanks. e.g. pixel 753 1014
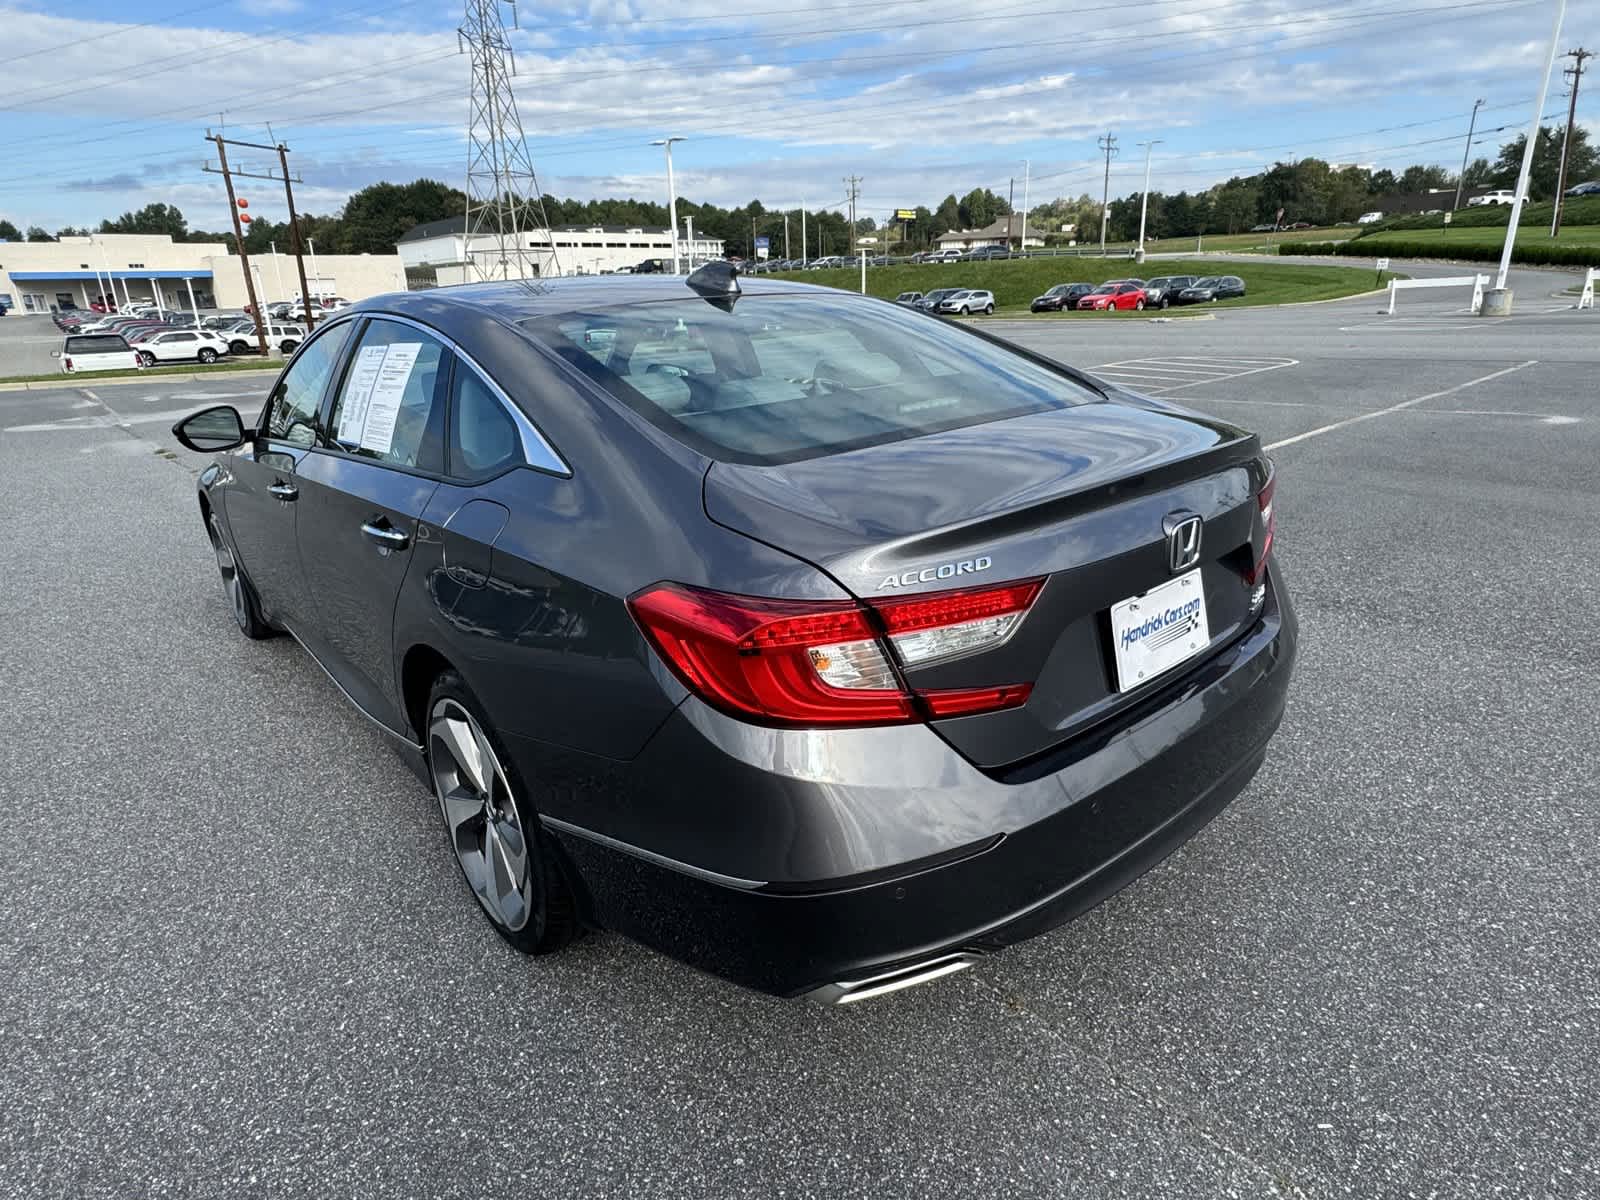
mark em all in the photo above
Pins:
pixel 76 272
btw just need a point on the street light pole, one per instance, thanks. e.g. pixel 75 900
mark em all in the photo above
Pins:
pixel 1144 202
pixel 1466 153
pixel 672 198
pixel 1027 168
pixel 1527 160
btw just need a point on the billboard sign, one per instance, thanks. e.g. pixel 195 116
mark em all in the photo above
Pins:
pixel 905 214
pixel 762 246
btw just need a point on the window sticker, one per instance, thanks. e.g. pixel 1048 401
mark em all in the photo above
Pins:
pixel 377 385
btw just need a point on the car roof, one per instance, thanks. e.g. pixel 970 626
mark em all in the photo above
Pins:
pixel 521 300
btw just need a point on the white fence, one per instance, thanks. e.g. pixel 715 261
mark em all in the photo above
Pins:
pixel 1476 282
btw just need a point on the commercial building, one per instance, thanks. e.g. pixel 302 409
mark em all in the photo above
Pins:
pixel 997 233
pixel 438 252
pixel 78 272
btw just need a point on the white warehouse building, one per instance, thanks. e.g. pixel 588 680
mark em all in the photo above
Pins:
pixel 438 251
pixel 78 272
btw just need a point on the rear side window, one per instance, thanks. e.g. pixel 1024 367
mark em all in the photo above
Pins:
pixel 783 378
pixel 389 408
pixel 96 343
pixel 483 436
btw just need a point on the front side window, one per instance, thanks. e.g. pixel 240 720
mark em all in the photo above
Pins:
pixel 388 407
pixel 293 415
pixel 784 378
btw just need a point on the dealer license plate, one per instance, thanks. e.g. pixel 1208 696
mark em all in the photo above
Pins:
pixel 1155 632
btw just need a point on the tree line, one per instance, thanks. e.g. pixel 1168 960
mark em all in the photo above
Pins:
pixel 1309 190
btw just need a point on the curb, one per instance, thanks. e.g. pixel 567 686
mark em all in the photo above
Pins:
pixel 66 380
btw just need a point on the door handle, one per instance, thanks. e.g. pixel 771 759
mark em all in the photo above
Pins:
pixel 387 537
pixel 284 491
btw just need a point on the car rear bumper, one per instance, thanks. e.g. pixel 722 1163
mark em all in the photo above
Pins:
pixel 1011 855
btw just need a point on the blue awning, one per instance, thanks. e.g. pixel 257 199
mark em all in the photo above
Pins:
pixel 41 276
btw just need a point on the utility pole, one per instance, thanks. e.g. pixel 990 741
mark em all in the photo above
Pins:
pixel 786 236
pixel 1144 203
pixel 853 182
pixel 1575 73
pixel 299 241
pixel 238 237
pixel 1109 145
pixel 1466 152
pixel 804 254
pixel 1011 212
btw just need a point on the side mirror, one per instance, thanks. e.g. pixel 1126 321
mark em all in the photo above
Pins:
pixel 211 430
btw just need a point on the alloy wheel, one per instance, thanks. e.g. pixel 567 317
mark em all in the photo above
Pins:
pixel 232 582
pixel 480 815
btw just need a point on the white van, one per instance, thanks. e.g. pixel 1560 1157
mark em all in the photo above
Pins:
pixel 1369 218
pixel 97 352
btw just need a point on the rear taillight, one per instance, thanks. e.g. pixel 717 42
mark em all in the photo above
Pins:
pixel 824 663
pixel 1269 520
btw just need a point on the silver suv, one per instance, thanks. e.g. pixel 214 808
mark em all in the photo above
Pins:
pixel 967 302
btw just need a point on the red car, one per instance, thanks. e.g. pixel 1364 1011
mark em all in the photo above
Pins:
pixel 1114 293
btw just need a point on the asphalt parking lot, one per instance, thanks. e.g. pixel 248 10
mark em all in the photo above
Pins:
pixel 238 959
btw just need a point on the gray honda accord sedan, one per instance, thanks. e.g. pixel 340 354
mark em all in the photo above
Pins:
pixel 821 646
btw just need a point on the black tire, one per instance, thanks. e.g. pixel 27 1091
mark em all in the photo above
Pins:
pixel 1165 302
pixel 1138 305
pixel 207 355
pixel 965 311
pixel 988 310
pixel 146 358
pixel 544 899
pixel 236 587
pixel 289 346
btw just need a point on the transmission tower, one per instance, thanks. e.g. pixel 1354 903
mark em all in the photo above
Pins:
pixel 503 196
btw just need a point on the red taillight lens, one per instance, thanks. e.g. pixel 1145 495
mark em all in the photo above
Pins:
pixel 1269 519
pixel 773 658
pixel 820 663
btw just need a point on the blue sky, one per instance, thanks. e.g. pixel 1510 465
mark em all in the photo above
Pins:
pixel 105 110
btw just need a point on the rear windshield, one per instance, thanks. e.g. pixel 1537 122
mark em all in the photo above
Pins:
pixel 96 343
pixel 783 378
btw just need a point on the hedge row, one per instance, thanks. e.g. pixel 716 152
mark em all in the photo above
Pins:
pixel 1396 247
pixel 1578 210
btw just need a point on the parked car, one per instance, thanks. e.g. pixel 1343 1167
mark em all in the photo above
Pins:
pixel 970 301
pixel 909 299
pixel 1369 218
pixel 985 253
pixel 948 255
pixel 1592 188
pixel 281 337
pixel 1158 293
pixel 1499 196
pixel 221 321
pixel 1063 297
pixel 930 300
pixel 1114 294
pixel 96 352
pixel 749 689
pixel 1213 287
pixel 1268 227
pixel 181 345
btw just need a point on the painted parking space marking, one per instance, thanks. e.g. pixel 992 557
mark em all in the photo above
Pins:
pixel 1401 407
pixel 1171 373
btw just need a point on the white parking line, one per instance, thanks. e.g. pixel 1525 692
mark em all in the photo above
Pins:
pixel 1173 373
pixel 1394 408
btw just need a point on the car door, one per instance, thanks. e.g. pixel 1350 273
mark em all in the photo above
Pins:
pixel 362 500
pixel 261 497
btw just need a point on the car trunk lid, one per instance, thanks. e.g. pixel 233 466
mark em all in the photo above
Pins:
pixel 1082 498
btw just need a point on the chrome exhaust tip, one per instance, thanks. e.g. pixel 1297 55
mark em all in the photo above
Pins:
pixel 851 991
